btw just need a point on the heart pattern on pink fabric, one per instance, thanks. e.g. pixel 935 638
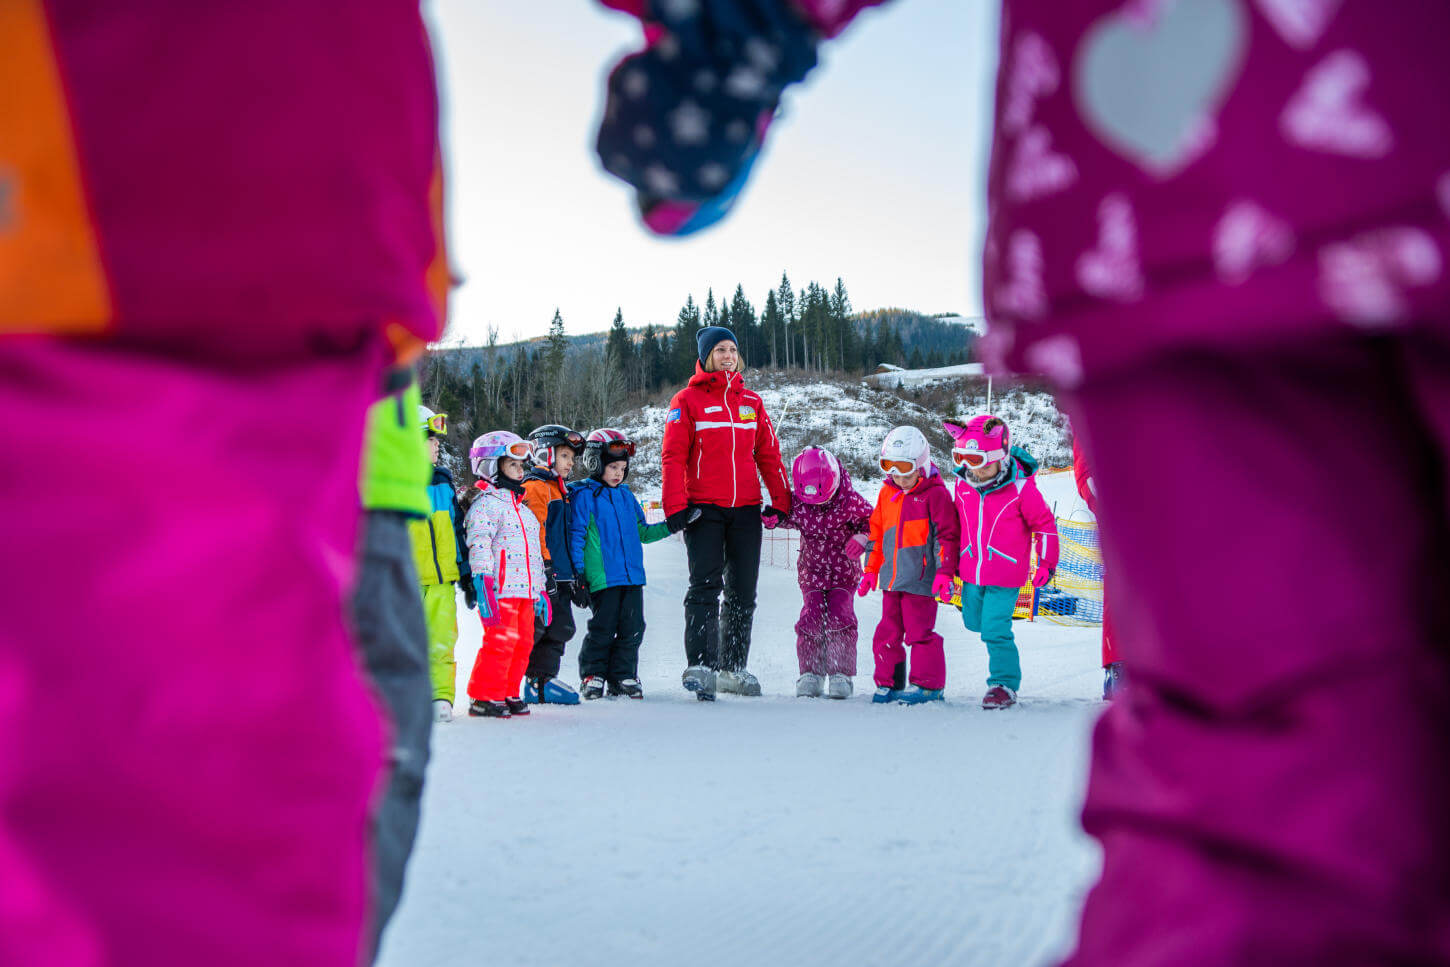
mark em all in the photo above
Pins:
pixel 1300 22
pixel 1036 170
pixel 1112 269
pixel 996 343
pixel 1058 358
pixel 1364 280
pixel 1247 238
pixel 1022 294
pixel 1034 75
pixel 1328 112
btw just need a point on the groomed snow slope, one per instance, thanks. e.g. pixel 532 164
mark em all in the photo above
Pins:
pixel 766 831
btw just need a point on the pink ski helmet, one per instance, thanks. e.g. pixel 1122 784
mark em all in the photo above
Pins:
pixel 489 449
pixel 815 475
pixel 986 439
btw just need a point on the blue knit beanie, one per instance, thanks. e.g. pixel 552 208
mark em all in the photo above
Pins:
pixel 710 337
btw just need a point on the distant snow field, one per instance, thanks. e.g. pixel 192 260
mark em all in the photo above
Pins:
pixel 765 831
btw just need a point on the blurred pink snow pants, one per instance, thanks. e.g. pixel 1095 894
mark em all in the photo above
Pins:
pixel 910 618
pixel 1273 787
pixel 187 749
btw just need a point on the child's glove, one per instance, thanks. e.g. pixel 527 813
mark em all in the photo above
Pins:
pixel 1043 575
pixel 550 584
pixel 941 588
pixel 771 518
pixel 487 601
pixel 868 584
pixel 470 595
pixel 581 593
pixel 856 545
pixel 544 608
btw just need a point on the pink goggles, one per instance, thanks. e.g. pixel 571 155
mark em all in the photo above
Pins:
pixel 972 456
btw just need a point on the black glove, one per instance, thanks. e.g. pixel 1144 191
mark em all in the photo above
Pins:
pixel 550 585
pixel 681 519
pixel 773 513
pixel 470 594
pixel 581 594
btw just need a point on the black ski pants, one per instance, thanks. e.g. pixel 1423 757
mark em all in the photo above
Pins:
pixel 723 548
pixel 616 629
pixel 550 639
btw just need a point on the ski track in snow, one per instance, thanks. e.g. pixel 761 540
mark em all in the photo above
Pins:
pixel 763 831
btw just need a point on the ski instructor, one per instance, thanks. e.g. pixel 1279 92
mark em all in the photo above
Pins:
pixel 717 436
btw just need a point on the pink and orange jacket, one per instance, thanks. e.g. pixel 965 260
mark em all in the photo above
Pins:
pixel 1000 526
pixel 913 535
pixel 244 181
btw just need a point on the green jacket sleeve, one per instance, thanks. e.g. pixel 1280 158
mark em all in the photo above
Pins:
pixel 395 465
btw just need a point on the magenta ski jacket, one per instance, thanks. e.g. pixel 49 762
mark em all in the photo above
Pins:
pixel 824 562
pixel 999 527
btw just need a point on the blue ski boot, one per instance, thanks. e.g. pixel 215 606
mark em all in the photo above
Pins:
pixel 1115 676
pixel 549 691
pixel 884 695
pixel 916 695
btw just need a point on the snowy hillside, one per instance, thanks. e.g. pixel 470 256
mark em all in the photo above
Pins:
pixel 851 418
pixel 770 831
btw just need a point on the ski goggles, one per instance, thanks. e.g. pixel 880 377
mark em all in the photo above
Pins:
pixel 519 451
pixel 574 439
pixel 617 449
pixel 437 423
pixel 972 457
pixel 904 468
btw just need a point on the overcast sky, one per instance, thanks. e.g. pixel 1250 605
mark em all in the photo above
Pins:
pixel 874 173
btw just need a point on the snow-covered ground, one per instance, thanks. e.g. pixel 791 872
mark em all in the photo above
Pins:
pixel 896 378
pixel 761 831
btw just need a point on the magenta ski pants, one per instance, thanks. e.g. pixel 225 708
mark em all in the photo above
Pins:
pixel 909 621
pixel 188 750
pixel 825 635
pixel 1273 787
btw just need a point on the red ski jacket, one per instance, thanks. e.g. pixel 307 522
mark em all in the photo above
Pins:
pixel 716 436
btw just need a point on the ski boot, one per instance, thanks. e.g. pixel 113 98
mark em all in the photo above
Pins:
pixel 999 696
pixel 738 683
pixel 488 710
pixel 549 691
pixel 1115 678
pixel 884 695
pixel 628 687
pixel 916 695
pixel 517 706
pixel 442 710
pixel 592 688
pixel 839 686
pixel 701 681
pixel 808 686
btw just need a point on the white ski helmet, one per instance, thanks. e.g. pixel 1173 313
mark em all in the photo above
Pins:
pixel 904 445
pixel 433 424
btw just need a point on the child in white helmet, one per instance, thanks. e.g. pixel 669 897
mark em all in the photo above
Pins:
pixel 913 560
pixel 507 560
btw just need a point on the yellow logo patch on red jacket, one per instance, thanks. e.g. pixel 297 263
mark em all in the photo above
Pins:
pixel 747 413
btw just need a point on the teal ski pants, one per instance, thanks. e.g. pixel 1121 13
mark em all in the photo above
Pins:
pixel 987 610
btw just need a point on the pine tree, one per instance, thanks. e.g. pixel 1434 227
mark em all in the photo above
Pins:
pixel 621 350
pixel 848 346
pixel 785 298
pixel 772 324
pixel 682 349
pixel 742 319
pixel 712 315
pixel 651 365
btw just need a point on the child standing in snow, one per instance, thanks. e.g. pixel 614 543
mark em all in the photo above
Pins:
pixel 833 521
pixel 554 450
pixel 507 560
pixel 438 554
pixel 1001 514
pixel 607 534
pixel 913 560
